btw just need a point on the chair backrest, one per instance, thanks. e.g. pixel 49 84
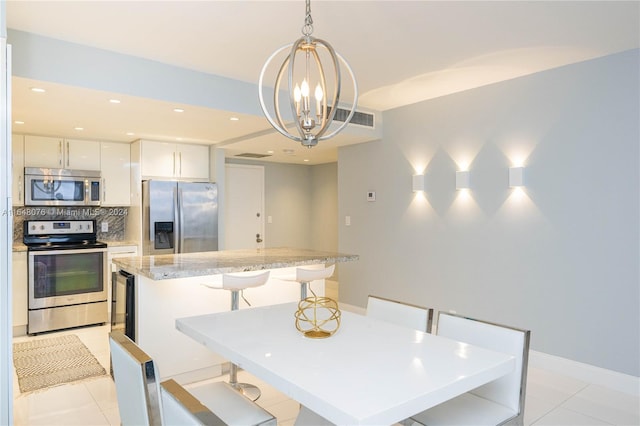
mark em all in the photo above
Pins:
pixel 509 390
pixel 179 407
pixel 242 281
pixel 400 313
pixel 135 376
pixel 311 274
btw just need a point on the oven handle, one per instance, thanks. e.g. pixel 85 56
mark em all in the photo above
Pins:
pixel 33 253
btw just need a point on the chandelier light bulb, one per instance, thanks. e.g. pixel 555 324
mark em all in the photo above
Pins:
pixel 297 93
pixel 305 88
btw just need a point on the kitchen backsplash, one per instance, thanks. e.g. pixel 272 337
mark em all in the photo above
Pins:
pixel 115 217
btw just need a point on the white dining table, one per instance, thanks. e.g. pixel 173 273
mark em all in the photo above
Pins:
pixel 370 372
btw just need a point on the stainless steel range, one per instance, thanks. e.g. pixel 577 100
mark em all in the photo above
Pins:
pixel 67 274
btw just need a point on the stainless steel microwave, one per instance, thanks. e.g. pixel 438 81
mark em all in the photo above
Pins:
pixel 61 187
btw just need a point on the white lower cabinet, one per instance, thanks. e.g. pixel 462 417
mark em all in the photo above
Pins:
pixel 20 292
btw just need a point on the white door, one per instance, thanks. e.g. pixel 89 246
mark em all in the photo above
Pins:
pixel 244 207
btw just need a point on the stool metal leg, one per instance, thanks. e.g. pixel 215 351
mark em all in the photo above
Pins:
pixel 303 290
pixel 250 391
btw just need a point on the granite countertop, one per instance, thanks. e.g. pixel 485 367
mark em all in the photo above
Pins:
pixel 186 265
pixel 119 243
pixel 17 247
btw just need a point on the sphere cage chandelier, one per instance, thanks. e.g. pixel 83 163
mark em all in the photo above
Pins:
pixel 311 123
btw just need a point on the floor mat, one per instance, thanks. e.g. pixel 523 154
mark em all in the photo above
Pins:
pixel 49 362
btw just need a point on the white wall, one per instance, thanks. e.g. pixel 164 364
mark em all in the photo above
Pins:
pixel 561 258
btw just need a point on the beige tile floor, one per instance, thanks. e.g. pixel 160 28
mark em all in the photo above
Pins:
pixel 552 399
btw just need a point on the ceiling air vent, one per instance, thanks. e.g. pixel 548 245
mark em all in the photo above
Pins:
pixel 360 118
pixel 252 155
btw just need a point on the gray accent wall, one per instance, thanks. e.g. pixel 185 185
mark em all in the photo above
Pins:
pixel 560 257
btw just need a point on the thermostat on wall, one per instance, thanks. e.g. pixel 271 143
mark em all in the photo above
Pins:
pixel 371 196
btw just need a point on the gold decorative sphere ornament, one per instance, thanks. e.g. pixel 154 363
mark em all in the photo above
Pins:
pixel 317 317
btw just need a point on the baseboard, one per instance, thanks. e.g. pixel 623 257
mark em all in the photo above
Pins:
pixel 19 330
pixel 587 373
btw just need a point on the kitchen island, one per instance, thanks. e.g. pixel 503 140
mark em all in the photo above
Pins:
pixel 168 287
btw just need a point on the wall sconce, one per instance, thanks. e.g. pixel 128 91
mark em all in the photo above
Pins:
pixel 516 177
pixel 462 179
pixel 417 183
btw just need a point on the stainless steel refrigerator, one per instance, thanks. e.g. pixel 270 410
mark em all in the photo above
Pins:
pixel 179 217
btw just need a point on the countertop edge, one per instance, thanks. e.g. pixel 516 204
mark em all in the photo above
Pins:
pixel 179 270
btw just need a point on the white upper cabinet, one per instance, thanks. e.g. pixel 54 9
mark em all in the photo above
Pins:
pixel 48 152
pixel 82 155
pixel 17 169
pixel 171 160
pixel 193 161
pixel 115 163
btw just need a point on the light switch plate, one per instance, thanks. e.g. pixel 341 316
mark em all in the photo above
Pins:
pixel 104 226
pixel 371 196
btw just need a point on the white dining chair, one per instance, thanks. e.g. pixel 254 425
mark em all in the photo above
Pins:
pixel 495 403
pixel 400 313
pixel 305 275
pixel 144 401
pixel 179 407
pixel 236 284
pixel 135 376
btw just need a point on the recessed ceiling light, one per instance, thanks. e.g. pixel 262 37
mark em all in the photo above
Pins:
pixel 114 101
pixel 38 89
pixel 306 160
pixel 178 139
pixel 234 119
pixel 78 128
pixel 130 134
pixel 270 152
pixel 18 122
pixel 178 110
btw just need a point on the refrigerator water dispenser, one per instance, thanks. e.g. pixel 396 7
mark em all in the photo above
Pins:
pixel 163 232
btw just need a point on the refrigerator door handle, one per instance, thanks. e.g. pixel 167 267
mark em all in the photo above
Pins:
pixel 180 219
pixel 176 214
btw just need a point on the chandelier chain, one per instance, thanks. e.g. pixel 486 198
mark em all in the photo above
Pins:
pixel 307 30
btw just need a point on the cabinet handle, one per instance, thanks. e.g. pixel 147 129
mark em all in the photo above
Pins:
pixel 180 156
pixel 67 153
pixel 174 163
pixel 60 153
pixel 104 190
pixel 20 188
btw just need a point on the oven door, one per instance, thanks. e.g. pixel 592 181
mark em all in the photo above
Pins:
pixel 67 277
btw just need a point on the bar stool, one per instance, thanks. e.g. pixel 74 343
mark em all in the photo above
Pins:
pixel 236 284
pixel 304 276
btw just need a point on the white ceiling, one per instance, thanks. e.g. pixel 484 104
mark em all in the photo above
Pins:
pixel 402 52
